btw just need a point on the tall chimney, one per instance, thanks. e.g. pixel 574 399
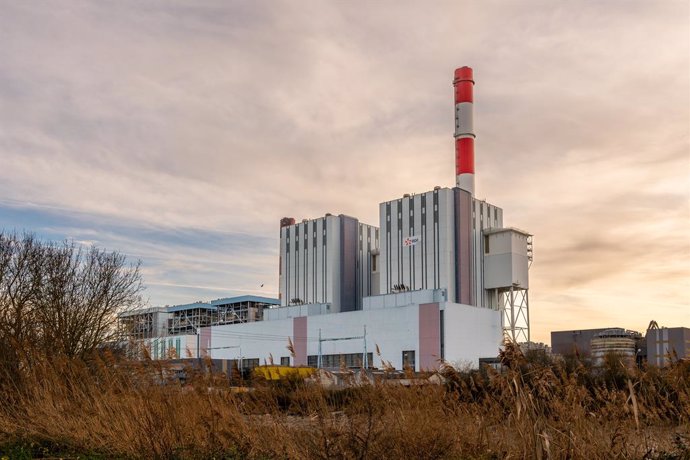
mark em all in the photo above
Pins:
pixel 463 84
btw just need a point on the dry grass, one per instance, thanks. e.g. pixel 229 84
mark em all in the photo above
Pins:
pixel 109 408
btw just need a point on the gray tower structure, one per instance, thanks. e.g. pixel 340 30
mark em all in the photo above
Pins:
pixel 326 261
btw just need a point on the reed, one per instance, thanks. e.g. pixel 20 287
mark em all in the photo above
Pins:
pixel 109 407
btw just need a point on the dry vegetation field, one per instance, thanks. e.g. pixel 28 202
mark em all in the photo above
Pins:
pixel 111 408
pixel 61 395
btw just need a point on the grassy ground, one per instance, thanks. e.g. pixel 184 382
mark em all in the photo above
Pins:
pixel 109 408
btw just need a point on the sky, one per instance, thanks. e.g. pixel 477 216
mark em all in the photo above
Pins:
pixel 179 133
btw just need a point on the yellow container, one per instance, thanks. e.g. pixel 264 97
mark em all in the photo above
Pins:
pixel 283 372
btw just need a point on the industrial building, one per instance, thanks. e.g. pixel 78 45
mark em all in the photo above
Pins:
pixel 658 347
pixel 617 341
pixel 667 344
pixel 595 344
pixel 327 260
pixel 576 341
pixel 439 280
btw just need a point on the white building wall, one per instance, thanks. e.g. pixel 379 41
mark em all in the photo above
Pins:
pixel 506 262
pixel 392 333
pixel 392 323
pixel 251 340
pixel 471 333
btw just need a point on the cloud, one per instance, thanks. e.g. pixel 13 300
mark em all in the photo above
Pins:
pixel 162 122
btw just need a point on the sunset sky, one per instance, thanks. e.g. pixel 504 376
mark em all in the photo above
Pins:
pixel 180 132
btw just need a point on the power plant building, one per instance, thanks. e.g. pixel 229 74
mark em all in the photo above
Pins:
pixel 439 280
pixel 577 341
pixel 327 260
pixel 667 344
pixel 659 347
pixel 618 342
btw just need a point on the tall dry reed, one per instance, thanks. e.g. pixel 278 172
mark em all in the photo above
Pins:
pixel 114 408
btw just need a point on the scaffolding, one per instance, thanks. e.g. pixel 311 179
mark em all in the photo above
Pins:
pixel 141 324
pixel 239 312
pixel 189 320
pixel 514 303
pixel 186 319
pixel 508 254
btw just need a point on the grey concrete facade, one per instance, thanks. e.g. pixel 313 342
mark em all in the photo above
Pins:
pixel 326 261
pixel 575 341
pixel 433 240
pixel 666 344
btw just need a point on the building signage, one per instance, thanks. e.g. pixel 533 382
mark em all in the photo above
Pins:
pixel 411 241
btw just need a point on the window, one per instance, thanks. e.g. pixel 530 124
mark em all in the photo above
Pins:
pixel 486 244
pixel 285 361
pixel 374 259
pixel 250 363
pixel 348 360
pixel 408 359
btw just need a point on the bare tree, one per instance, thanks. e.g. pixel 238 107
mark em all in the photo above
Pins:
pixel 82 292
pixel 20 279
pixel 60 298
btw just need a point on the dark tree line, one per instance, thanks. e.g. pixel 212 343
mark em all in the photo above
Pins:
pixel 60 299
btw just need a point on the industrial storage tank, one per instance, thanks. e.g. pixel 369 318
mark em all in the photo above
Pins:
pixel 614 341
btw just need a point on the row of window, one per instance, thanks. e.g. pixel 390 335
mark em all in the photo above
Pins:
pixel 347 360
pixel 353 360
pixel 171 350
pixel 244 363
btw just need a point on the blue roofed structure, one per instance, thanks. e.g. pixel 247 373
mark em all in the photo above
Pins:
pixel 246 298
pixel 191 306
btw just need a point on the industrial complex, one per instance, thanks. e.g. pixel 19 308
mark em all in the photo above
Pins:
pixel 439 280
pixel 658 346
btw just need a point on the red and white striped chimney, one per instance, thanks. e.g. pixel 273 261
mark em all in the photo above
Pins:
pixel 464 129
